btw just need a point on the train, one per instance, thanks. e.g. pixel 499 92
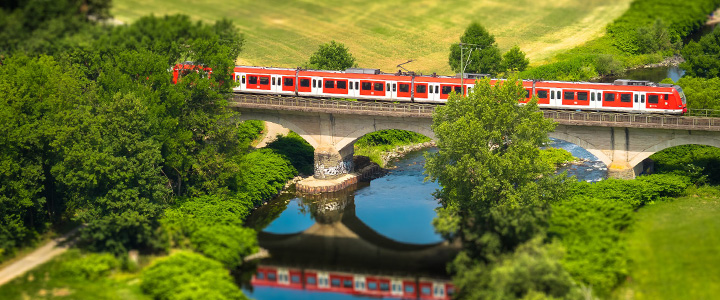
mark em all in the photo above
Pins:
pixel 623 95
pixel 353 283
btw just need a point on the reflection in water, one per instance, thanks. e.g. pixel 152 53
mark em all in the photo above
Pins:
pixel 376 240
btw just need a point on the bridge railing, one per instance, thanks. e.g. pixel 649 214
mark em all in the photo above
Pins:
pixel 713 113
pixel 308 104
pixel 633 120
pixel 587 118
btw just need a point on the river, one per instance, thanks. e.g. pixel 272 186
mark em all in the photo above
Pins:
pixel 380 232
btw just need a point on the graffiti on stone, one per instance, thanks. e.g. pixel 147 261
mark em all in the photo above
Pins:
pixel 344 167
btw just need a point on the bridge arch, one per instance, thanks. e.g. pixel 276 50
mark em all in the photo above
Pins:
pixel 679 141
pixel 381 125
pixel 284 122
pixel 594 150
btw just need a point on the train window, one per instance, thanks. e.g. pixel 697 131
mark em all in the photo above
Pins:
pixel 425 290
pixel 359 285
pixel 304 82
pixel 342 85
pixel 311 280
pixel 347 283
pixel 260 275
pixel 378 87
pixel 243 79
pixel 436 89
pixel 384 286
pixel 609 97
pixel 666 97
pixel 642 98
pixel 351 85
pixel 592 96
pixel 288 81
pixel 636 98
pixel 366 86
pixel 420 89
pixel 653 99
pixel 271 276
pixel 446 90
pixel 582 95
pixel 409 289
pixel 458 90
pixel 314 83
pixel 319 83
pixel 388 87
pixel 625 97
pixel 273 81
pixel 329 84
pixel 394 87
pixel 335 282
pixel 552 95
pixel 252 79
pixel 372 285
pixel 404 88
pixel 356 85
pixel 264 80
pixel 527 93
pixel 569 95
pixel 295 278
pixel 542 94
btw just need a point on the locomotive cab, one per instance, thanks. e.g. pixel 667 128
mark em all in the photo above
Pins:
pixel 682 97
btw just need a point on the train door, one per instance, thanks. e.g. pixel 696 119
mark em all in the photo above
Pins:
pixel 240 81
pixel 317 86
pixel 595 99
pixel 555 97
pixel 353 87
pixel 639 101
pixel 392 88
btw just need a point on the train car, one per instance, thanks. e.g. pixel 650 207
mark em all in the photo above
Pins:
pixel 627 96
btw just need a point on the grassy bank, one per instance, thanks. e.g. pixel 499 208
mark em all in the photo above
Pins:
pixel 674 248
pixel 382 34
pixel 375 144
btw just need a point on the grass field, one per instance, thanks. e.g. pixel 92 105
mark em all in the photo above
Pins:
pixel 675 249
pixel 382 34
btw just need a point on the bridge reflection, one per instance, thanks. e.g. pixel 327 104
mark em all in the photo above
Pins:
pixel 340 253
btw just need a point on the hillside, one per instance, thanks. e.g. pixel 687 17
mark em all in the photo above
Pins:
pixel 382 34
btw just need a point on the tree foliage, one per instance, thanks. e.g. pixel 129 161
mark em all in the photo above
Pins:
pixel 485 55
pixel 514 60
pixel 702 59
pixel 496 192
pixel 187 275
pixel 332 56
pixel 227 244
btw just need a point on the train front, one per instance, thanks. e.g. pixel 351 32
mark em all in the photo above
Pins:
pixel 681 94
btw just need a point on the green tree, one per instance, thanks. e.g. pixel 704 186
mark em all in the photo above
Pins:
pixel 702 59
pixel 654 38
pixel 332 56
pixel 485 56
pixel 514 60
pixel 227 244
pixel 187 275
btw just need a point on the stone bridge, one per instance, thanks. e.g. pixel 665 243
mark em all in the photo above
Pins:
pixel 621 141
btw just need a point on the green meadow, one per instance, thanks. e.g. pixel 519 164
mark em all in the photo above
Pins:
pixel 383 34
pixel 674 249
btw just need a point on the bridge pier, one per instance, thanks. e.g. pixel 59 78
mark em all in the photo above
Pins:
pixel 332 164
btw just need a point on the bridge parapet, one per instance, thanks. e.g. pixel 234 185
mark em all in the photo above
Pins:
pixel 390 109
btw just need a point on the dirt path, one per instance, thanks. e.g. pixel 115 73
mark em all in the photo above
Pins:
pixel 39 256
pixel 272 131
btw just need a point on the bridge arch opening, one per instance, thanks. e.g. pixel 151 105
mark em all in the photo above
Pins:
pixel 283 140
pixel 589 168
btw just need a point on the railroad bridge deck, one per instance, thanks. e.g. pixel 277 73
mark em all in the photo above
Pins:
pixel 622 141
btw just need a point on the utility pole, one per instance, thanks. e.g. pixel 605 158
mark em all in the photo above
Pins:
pixel 463 63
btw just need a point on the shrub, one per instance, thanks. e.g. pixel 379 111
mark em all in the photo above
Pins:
pixel 638 192
pixel 591 231
pixel 188 215
pixel 90 266
pixel 227 244
pixel 556 157
pixel 296 150
pixel 187 275
pixel 696 162
pixel 263 173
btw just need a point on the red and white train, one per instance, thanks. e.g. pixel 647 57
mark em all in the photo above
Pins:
pixel 621 96
pixel 354 284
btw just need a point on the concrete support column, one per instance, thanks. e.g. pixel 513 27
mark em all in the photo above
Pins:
pixel 620 167
pixel 331 164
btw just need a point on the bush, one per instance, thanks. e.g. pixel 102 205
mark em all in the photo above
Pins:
pixel 702 59
pixel 90 266
pixel 296 150
pixel 187 275
pixel 701 93
pixel 263 173
pixel 227 244
pixel 591 231
pixel 698 163
pixel 638 192
pixel 556 157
